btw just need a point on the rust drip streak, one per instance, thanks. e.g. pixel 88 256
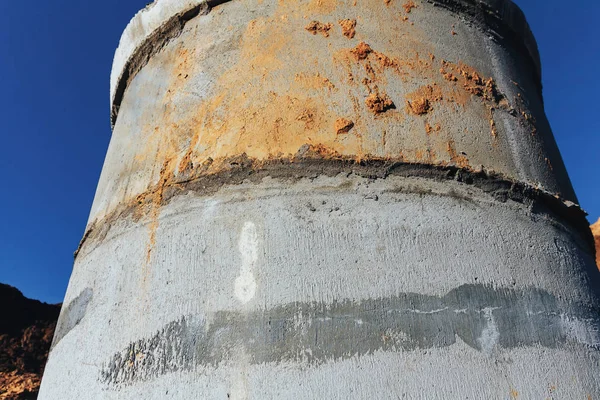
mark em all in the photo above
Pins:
pixel 312 161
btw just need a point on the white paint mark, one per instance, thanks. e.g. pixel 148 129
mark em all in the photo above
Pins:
pixel 429 312
pixel 490 334
pixel 245 283
pixel 239 376
pixel 239 388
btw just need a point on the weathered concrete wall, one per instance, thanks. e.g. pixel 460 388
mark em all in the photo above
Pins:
pixel 330 199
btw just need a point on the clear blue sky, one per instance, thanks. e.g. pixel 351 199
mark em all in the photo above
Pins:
pixel 54 109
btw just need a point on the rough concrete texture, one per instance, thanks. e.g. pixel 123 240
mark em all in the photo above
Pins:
pixel 252 79
pixel 284 290
pixel 330 199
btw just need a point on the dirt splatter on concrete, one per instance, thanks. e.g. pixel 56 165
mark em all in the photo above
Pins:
pixel 362 51
pixel 408 6
pixel 472 81
pixel 418 106
pixel 342 125
pixel 308 117
pixel 379 103
pixel 460 160
pixel 348 27
pixel 429 129
pixel 475 84
pixel 527 120
pixel 421 101
pixel 313 81
pixel 315 27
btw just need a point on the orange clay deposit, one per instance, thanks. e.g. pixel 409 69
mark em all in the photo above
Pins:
pixel 475 84
pixel 362 51
pixel 404 68
pixel 348 27
pixel 315 27
pixel 379 103
pixel 343 125
pixel 420 102
pixel 408 6
pixel 472 81
pixel 418 106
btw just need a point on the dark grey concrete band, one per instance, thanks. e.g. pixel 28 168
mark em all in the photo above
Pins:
pixel 407 322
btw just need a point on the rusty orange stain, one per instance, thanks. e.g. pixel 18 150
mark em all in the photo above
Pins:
pixel 321 6
pixel 460 160
pixel 264 108
pixel 314 81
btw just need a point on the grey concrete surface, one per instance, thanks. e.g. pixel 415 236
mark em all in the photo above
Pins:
pixel 292 209
pixel 371 287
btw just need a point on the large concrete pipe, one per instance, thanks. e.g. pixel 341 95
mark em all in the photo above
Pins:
pixel 330 199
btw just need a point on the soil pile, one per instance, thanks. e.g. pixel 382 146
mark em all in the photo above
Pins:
pixel 26 331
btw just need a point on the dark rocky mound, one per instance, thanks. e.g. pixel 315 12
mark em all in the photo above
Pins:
pixel 26 331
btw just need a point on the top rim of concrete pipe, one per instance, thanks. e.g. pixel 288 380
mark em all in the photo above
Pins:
pixel 501 18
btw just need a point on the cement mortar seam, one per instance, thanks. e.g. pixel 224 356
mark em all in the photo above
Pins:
pixel 153 27
pixel 243 169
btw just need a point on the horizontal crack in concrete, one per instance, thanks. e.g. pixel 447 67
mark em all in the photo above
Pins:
pixel 485 318
pixel 311 162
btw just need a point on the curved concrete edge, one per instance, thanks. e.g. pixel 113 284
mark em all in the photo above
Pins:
pixel 491 15
pixel 140 28
pixel 144 26
pixel 499 187
pixel 164 19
